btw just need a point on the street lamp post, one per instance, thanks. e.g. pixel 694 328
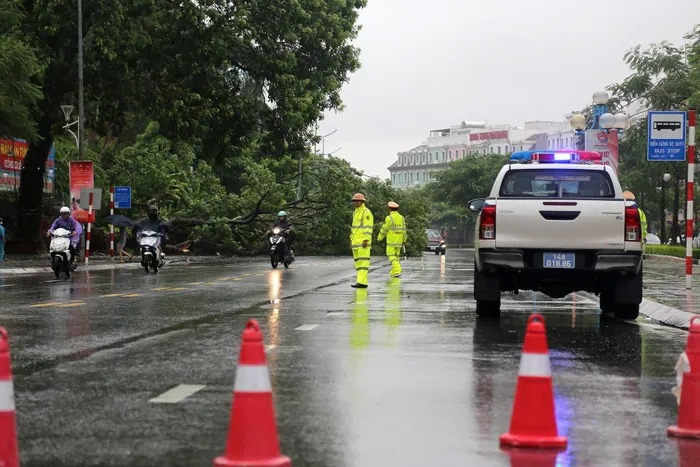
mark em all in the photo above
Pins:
pixel 602 119
pixel 81 120
pixel 67 111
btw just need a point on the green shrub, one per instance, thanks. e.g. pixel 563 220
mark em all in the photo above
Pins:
pixel 671 250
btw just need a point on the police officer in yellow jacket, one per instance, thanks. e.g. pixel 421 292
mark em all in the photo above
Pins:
pixel 394 229
pixel 361 238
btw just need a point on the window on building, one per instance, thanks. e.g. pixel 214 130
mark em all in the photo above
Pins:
pixel 499 149
pixel 506 149
pixel 464 152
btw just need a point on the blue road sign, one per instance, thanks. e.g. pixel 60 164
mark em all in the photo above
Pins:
pixel 666 136
pixel 122 197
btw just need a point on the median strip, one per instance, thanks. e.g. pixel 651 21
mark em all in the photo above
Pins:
pixel 306 327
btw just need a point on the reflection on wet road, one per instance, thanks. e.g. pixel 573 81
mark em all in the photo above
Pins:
pixel 399 374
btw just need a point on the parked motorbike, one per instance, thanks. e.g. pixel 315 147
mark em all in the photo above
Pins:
pixel 150 250
pixel 441 248
pixel 59 251
pixel 279 253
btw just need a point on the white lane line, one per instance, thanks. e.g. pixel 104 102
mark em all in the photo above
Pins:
pixel 306 327
pixel 269 347
pixel 177 394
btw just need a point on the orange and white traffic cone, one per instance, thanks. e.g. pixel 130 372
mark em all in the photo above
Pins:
pixel 533 423
pixel 526 457
pixel 252 437
pixel 688 453
pixel 689 410
pixel 9 455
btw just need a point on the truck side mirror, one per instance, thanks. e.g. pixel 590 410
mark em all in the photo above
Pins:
pixel 476 205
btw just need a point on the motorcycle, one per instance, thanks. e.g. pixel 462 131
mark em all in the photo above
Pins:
pixel 149 247
pixel 279 253
pixel 59 251
pixel 441 248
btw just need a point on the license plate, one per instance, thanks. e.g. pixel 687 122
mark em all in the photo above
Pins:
pixel 559 260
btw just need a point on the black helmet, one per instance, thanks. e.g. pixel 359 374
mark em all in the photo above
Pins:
pixel 152 211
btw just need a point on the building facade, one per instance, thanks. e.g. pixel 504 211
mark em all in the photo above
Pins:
pixel 417 166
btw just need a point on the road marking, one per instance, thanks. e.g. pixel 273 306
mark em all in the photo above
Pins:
pixel 132 295
pixel 177 288
pixel 211 283
pixel 248 274
pixel 197 283
pixel 269 347
pixel 113 295
pixel 55 280
pixel 335 313
pixel 44 305
pixel 70 305
pixel 177 394
pixel 306 327
pixel 8 285
pixel 161 288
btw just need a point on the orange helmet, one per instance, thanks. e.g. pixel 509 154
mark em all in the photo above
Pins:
pixel 392 205
pixel 358 197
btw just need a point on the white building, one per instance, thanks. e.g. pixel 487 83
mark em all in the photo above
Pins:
pixel 417 166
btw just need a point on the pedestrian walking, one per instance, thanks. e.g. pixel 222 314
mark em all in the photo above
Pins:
pixel 361 239
pixel 121 244
pixel 394 229
pixel 2 241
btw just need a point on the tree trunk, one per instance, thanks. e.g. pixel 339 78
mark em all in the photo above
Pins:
pixel 674 225
pixel 32 188
pixel 662 213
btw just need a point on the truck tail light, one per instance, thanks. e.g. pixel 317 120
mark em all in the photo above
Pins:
pixel 487 228
pixel 633 225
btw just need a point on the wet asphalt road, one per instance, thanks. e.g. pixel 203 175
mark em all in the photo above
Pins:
pixel 400 374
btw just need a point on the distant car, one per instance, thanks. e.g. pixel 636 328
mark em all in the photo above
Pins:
pixel 436 242
pixel 653 239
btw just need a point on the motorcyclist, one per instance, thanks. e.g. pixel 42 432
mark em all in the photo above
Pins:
pixel 154 223
pixel 65 221
pixel 285 225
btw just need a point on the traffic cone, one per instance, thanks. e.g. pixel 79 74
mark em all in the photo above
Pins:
pixel 520 457
pixel 252 435
pixel 688 453
pixel 689 410
pixel 533 423
pixel 9 455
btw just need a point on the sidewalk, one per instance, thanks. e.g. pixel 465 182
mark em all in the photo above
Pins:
pixel 665 297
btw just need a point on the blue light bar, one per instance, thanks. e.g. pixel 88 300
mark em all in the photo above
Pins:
pixel 522 156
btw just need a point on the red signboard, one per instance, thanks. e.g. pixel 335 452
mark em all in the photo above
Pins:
pixel 489 135
pixel 81 175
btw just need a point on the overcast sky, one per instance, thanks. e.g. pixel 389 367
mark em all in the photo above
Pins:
pixel 432 64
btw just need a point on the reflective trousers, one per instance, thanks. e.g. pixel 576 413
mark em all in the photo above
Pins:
pixel 393 253
pixel 361 256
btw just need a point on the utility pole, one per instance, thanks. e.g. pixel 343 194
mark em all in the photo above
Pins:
pixel 81 115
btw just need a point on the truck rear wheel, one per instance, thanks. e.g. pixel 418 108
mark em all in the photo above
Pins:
pixel 488 308
pixel 626 312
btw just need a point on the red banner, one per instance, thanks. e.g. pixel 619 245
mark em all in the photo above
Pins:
pixel 81 175
pixel 489 135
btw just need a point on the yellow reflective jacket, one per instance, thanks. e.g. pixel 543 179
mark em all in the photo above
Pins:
pixel 643 220
pixel 362 225
pixel 394 229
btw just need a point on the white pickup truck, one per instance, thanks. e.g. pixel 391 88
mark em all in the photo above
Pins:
pixel 556 222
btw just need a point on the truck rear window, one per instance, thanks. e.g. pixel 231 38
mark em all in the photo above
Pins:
pixel 556 183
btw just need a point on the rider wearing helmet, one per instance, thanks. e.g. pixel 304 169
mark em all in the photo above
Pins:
pixel 65 221
pixel 155 223
pixel 284 224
